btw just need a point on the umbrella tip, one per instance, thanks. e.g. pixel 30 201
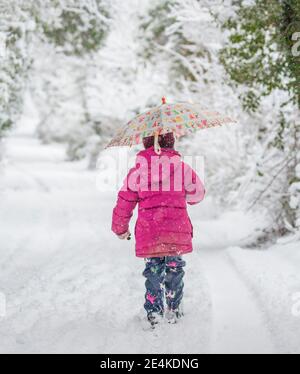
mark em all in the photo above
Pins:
pixel 163 99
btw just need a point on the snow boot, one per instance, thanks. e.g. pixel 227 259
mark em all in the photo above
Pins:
pixel 154 318
pixel 173 316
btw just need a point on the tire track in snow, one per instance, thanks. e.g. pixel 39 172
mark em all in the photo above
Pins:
pixel 272 281
pixel 237 322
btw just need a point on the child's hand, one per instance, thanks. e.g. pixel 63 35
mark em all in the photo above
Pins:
pixel 126 235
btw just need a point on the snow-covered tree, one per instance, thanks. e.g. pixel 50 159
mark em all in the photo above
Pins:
pixel 70 35
pixel 101 88
pixel 75 27
pixel 16 27
pixel 259 60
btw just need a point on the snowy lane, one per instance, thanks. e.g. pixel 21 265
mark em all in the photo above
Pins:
pixel 71 286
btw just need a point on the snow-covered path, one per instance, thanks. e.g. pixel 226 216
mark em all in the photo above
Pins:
pixel 71 286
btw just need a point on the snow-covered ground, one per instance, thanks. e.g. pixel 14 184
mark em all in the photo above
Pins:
pixel 71 286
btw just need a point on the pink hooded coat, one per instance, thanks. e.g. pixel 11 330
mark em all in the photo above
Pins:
pixel 163 227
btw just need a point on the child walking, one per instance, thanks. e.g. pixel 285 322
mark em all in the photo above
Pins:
pixel 161 184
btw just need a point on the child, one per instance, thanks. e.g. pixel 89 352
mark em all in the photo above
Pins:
pixel 161 185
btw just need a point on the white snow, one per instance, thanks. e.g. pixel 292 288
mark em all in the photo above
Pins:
pixel 71 286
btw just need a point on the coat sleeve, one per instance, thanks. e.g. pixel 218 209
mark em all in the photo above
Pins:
pixel 194 188
pixel 122 212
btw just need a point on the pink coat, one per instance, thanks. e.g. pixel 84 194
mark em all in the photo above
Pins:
pixel 163 227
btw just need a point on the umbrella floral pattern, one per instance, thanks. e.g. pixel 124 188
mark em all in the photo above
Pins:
pixel 179 118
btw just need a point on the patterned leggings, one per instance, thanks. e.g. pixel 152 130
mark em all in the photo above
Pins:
pixel 164 277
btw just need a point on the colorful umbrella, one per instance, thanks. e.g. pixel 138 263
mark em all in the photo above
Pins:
pixel 180 118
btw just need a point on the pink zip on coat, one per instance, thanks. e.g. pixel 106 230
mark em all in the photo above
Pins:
pixel 163 227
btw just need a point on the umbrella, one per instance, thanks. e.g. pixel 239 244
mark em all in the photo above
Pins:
pixel 180 118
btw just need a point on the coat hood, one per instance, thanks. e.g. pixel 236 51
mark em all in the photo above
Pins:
pixel 157 168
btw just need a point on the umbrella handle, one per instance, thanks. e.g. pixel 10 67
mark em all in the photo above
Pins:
pixel 157 148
